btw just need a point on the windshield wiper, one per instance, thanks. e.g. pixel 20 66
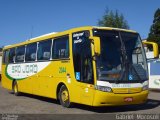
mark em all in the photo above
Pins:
pixel 125 63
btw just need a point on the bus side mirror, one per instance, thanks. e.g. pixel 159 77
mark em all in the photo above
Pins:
pixel 97 45
pixel 154 53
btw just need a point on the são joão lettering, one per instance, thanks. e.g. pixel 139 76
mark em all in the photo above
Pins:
pixel 33 68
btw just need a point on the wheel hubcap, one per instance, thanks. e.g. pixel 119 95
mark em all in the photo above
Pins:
pixel 15 89
pixel 64 96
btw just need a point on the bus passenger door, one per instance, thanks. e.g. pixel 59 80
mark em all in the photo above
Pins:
pixel 83 68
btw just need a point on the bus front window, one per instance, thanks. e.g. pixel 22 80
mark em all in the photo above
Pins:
pixel 122 57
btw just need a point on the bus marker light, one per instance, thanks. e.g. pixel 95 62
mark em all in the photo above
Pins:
pixel 68 78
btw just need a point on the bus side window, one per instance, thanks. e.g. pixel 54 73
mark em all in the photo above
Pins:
pixel 44 50
pixel 5 56
pixel 60 48
pixel 149 51
pixel 31 52
pixel 20 52
pixel 12 55
pixel 148 48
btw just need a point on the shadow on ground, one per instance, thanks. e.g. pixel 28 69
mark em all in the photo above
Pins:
pixel 49 100
pixel 150 104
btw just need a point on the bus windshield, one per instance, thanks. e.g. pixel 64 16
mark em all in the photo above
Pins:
pixel 122 57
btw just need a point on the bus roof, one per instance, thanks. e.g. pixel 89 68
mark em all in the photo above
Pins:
pixel 42 36
pixel 56 34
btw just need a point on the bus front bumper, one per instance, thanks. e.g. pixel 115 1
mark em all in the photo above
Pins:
pixel 112 99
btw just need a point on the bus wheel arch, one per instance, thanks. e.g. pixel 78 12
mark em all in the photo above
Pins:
pixel 58 89
pixel 13 82
pixel 63 95
pixel 15 88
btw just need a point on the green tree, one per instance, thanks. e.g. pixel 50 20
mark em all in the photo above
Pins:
pixel 113 19
pixel 154 34
pixel 1 49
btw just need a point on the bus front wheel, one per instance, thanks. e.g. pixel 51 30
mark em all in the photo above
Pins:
pixel 15 89
pixel 64 97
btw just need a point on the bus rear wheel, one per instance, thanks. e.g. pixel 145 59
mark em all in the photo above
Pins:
pixel 15 89
pixel 64 97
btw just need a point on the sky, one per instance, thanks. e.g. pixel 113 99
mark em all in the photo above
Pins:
pixel 22 19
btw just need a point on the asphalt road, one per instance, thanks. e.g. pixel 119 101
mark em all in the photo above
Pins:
pixel 30 104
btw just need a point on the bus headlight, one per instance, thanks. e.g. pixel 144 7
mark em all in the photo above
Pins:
pixel 103 88
pixel 145 87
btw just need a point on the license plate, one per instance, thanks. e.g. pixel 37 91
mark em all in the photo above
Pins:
pixel 128 99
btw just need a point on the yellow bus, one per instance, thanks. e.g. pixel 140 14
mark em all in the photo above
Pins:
pixel 152 54
pixel 95 66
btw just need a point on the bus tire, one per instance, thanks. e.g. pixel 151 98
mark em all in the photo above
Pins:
pixel 64 97
pixel 15 89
